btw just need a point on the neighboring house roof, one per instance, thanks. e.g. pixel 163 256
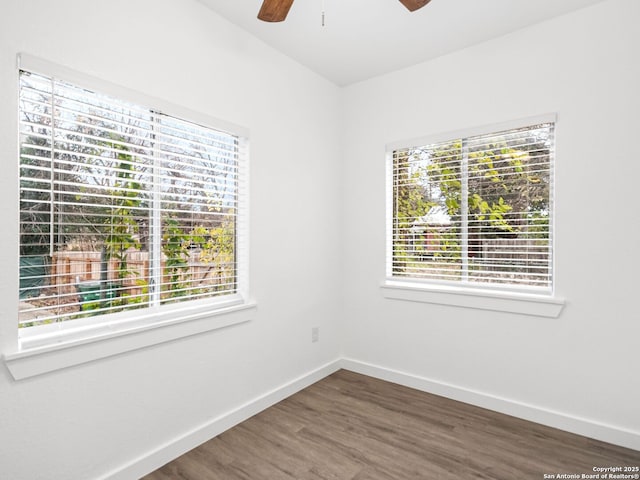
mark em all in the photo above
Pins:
pixel 436 216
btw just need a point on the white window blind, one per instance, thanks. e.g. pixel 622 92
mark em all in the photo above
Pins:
pixel 475 210
pixel 121 207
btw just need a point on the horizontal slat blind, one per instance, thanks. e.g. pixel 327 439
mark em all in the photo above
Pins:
pixel 121 207
pixel 476 210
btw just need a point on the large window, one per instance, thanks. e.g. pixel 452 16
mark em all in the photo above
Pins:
pixel 123 209
pixel 474 211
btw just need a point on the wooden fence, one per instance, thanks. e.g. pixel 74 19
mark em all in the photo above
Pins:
pixel 524 251
pixel 69 268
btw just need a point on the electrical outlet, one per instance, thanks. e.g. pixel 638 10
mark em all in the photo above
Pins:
pixel 315 334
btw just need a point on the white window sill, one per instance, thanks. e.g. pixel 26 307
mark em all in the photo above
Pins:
pixel 69 350
pixel 521 303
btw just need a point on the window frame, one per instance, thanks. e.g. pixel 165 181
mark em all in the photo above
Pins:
pixel 483 296
pixel 65 341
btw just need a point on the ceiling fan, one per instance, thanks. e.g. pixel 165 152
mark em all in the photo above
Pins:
pixel 277 10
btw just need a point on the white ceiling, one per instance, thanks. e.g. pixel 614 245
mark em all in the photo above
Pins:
pixel 365 38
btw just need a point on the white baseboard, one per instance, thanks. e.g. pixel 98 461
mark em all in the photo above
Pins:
pixel 190 440
pixel 580 426
pixel 165 453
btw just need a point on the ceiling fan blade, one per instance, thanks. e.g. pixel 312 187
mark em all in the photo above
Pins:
pixel 274 10
pixel 413 5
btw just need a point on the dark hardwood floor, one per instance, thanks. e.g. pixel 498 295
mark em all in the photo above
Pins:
pixel 349 426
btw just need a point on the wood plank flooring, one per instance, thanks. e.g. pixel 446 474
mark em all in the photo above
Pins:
pixel 353 427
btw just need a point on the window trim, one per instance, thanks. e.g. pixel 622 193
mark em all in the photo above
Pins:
pixel 69 343
pixel 475 298
pixel 502 298
pixel 50 358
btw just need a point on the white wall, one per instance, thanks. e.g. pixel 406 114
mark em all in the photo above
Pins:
pixel 86 421
pixel 584 66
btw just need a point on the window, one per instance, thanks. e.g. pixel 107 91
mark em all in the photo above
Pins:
pixel 474 211
pixel 125 211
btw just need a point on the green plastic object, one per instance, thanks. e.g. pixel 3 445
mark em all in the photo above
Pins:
pixel 90 294
pixel 33 271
